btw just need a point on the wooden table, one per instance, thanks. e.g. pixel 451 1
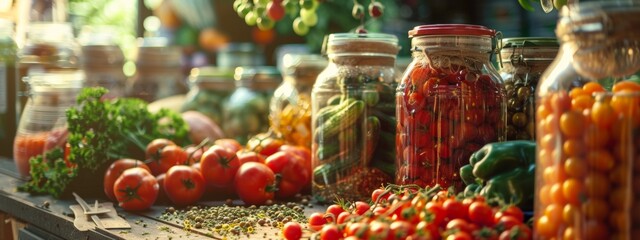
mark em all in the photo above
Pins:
pixel 56 220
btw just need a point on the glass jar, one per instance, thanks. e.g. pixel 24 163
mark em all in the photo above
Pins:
pixel 451 102
pixel 49 47
pixel 522 62
pixel 158 71
pixel 588 159
pixel 8 117
pixel 209 92
pixel 247 111
pixel 353 116
pixel 103 60
pixel 44 118
pixel 290 110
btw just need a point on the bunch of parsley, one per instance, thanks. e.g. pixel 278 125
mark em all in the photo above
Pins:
pixel 101 131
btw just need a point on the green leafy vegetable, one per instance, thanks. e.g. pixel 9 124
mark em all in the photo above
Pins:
pixel 101 131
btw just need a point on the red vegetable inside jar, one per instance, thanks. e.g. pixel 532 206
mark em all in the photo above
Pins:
pixel 450 102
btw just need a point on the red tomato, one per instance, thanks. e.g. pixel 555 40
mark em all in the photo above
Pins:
pixel 300 151
pixel 245 156
pixel 357 229
pixel 361 208
pixel 507 222
pixel 162 195
pixel 293 171
pixel 184 185
pixel 428 230
pixel 153 148
pixel 316 221
pixel 255 183
pixel 335 209
pixel 219 166
pixel 401 229
pixel 194 154
pixel 136 189
pixel 265 144
pixel 378 194
pixel 115 170
pixel 196 166
pixel 481 213
pixel 330 232
pixel 168 157
pixel 437 211
pixel 511 210
pixel 379 230
pixel 461 225
pixel 292 231
pixel 230 144
pixel 520 232
pixel 455 209
pixel 343 217
pixel 460 235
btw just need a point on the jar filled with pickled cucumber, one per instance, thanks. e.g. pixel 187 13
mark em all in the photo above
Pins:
pixel 588 127
pixel 210 88
pixel 522 61
pixel 354 116
pixel 247 111
pixel 290 111
pixel 451 102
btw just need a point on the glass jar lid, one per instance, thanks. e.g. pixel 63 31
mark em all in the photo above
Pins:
pixel 55 79
pixel 258 77
pixel 451 29
pixel 524 50
pixel 530 42
pixel 213 78
pixel 303 68
pixel 372 44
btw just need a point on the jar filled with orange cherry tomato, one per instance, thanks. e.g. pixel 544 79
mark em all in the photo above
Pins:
pixel 290 109
pixel 588 159
pixel 43 122
pixel 522 62
pixel 450 102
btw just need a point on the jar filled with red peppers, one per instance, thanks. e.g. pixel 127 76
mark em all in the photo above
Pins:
pixel 450 102
pixel 588 127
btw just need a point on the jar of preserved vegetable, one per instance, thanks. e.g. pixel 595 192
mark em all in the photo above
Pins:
pixel 290 111
pixel 450 103
pixel 43 122
pixel 49 47
pixel 588 158
pixel 158 71
pixel 8 117
pixel 103 60
pixel 353 116
pixel 522 62
pixel 210 88
pixel 247 111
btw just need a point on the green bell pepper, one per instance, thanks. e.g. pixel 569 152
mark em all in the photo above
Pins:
pixel 504 170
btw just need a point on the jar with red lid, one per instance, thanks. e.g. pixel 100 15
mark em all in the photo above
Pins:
pixel 450 102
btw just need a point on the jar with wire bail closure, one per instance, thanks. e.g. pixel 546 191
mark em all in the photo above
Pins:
pixel 588 127
pixel 522 62
pixel 353 116
pixel 450 102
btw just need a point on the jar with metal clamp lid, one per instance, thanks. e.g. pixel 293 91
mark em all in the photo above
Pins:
pixel 247 111
pixel 522 61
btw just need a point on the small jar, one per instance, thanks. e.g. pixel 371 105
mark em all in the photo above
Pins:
pixel 290 111
pixel 48 47
pixel 210 88
pixel 247 111
pixel 523 60
pixel 103 60
pixel 353 116
pixel 588 129
pixel 450 103
pixel 158 71
pixel 44 117
pixel 8 117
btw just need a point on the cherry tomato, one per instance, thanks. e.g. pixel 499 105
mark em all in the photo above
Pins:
pixel 255 183
pixel 401 229
pixel 460 224
pixel 438 213
pixel 153 153
pixel 455 209
pixel 481 213
pixel 378 194
pixel 343 217
pixel 379 230
pixel 428 230
pixel 460 235
pixel 293 172
pixel 335 209
pixel 316 221
pixel 184 185
pixel 168 157
pixel 219 166
pixel 330 232
pixel 361 207
pixel 115 170
pixel 230 144
pixel 136 189
pixel 520 232
pixel 292 231
pixel 511 210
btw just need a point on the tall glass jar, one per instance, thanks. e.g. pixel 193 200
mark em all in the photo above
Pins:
pixel 588 158
pixel 210 88
pixel 247 112
pixel 8 117
pixel 523 60
pixel 158 71
pixel 353 116
pixel 103 60
pixel 450 103
pixel 42 124
pixel 49 47
pixel 290 111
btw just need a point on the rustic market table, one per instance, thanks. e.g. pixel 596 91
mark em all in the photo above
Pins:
pixel 44 217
